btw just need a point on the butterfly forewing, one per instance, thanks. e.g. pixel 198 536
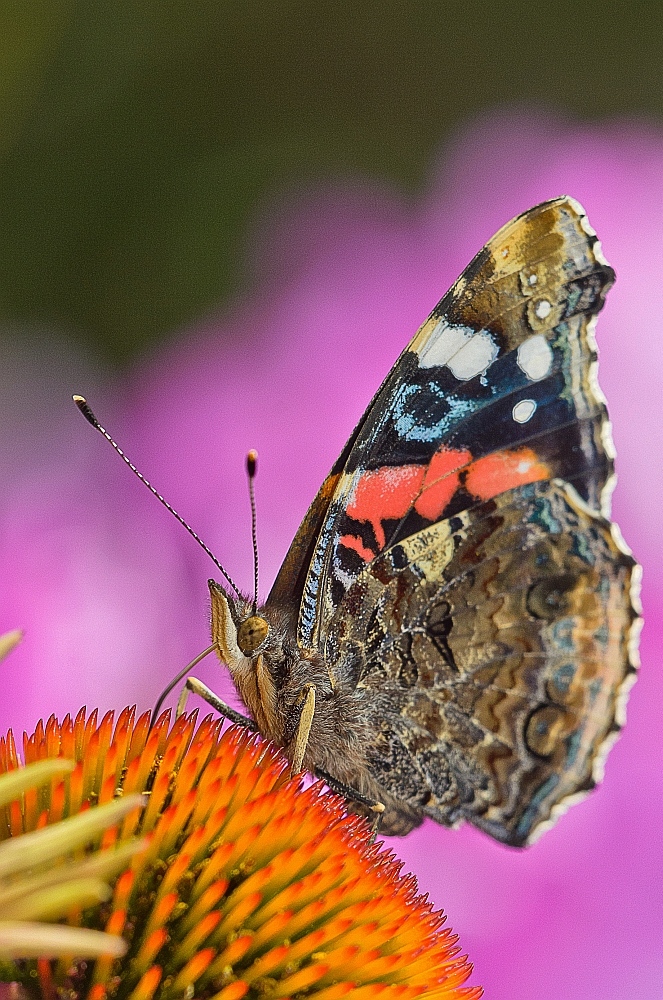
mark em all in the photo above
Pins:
pixel 496 389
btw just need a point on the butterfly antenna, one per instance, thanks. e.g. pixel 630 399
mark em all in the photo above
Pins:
pixel 251 467
pixel 83 406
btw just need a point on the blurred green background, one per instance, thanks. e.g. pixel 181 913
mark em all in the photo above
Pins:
pixel 139 140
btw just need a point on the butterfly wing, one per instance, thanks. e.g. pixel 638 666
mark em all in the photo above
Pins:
pixel 496 392
pixel 495 649
pixel 497 388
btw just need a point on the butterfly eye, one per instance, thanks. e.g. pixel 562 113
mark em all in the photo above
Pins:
pixel 251 633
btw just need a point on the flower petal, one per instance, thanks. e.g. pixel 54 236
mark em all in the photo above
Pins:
pixel 23 940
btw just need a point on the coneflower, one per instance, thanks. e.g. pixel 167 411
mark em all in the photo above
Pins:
pixel 243 883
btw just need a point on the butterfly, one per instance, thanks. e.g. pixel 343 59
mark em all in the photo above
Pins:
pixel 453 632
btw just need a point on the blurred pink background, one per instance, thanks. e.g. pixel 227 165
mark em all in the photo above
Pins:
pixel 112 592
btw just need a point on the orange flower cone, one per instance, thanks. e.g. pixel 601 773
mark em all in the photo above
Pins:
pixel 244 884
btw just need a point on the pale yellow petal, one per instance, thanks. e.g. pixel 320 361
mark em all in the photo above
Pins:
pixel 8 640
pixel 41 846
pixel 102 865
pixel 58 900
pixel 14 783
pixel 26 940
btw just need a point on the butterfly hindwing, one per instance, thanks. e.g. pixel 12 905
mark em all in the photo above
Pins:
pixel 493 649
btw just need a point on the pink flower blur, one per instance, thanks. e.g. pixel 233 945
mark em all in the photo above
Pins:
pixel 112 592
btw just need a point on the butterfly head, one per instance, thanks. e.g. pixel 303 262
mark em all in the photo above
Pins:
pixel 241 638
pixel 238 632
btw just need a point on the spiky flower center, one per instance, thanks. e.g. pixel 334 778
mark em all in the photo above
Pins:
pixel 246 885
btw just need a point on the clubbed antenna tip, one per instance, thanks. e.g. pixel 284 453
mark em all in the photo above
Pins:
pixel 82 404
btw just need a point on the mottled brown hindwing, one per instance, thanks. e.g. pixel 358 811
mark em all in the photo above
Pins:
pixel 493 648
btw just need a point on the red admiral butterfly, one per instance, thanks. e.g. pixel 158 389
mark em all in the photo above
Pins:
pixel 453 632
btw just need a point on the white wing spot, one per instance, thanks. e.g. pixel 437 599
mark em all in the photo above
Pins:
pixel 444 341
pixel 535 357
pixel 521 413
pixel 474 357
pixel 543 309
pixel 466 352
pixel 532 280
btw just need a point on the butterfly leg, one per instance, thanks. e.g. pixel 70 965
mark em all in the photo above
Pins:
pixel 307 701
pixel 197 687
pixel 377 808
